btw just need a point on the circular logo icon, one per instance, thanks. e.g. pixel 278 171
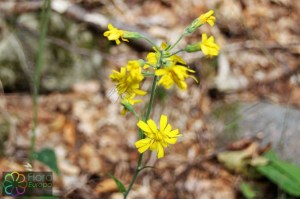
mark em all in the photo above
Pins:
pixel 14 184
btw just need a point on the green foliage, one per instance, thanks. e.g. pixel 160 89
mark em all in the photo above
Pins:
pixel 247 191
pixel 120 185
pixel 45 15
pixel 284 174
pixel 47 156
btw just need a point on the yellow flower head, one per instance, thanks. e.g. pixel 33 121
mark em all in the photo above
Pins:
pixel 208 46
pixel 152 59
pixel 135 70
pixel 208 18
pixel 128 84
pixel 174 71
pixel 114 34
pixel 202 19
pixel 156 139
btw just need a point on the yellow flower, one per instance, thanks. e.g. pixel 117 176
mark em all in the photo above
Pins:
pixel 202 19
pixel 127 84
pixel 176 59
pixel 208 46
pixel 174 74
pixel 152 59
pixel 114 34
pixel 128 103
pixel 156 139
pixel 135 70
pixel 174 71
pixel 207 18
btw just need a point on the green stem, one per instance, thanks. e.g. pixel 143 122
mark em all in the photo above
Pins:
pixel 154 85
pixel 178 51
pixel 148 74
pixel 135 114
pixel 148 40
pixel 40 55
pixel 179 39
pixel 141 135
pixel 136 172
pixel 147 63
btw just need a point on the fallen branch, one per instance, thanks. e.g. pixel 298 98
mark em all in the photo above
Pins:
pixel 95 20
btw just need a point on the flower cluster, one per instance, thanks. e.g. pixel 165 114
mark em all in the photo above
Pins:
pixel 168 69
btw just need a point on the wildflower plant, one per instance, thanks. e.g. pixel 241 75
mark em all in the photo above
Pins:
pixel 167 69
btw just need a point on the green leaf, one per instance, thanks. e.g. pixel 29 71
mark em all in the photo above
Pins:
pixel 247 190
pixel 284 174
pixel 120 185
pixel 47 156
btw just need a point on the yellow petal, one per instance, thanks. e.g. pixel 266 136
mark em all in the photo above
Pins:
pixel 143 145
pixel 140 92
pixel 160 72
pixel 194 78
pixel 174 133
pixel 110 27
pixel 163 122
pixel 204 37
pixel 160 151
pixel 142 125
pixel 106 33
pixel 123 112
pixel 152 125
pixel 153 146
pixel 171 140
pixel 167 129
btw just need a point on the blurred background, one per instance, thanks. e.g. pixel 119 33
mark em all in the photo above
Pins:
pixel 247 96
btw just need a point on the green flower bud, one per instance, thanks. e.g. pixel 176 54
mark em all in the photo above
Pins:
pixel 132 35
pixel 127 106
pixel 192 48
pixel 193 26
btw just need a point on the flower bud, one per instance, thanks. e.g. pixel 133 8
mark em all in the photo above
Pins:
pixel 132 35
pixel 192 48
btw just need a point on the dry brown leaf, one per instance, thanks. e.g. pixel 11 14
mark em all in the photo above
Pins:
pixel 107 185
pixel 69 133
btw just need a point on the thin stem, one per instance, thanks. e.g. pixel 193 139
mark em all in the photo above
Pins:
pixel 154 85
pixel 40 58
pixel 149 40
pixel 135 114
pixel 179 39
pixel 148 74
pixel 136 172
pixel 147 63
pixel 178 51
pixel 141 135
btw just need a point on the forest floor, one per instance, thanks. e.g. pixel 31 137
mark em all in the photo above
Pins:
pixel 259 61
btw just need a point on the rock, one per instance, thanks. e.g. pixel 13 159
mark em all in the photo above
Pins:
pixel 279 124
